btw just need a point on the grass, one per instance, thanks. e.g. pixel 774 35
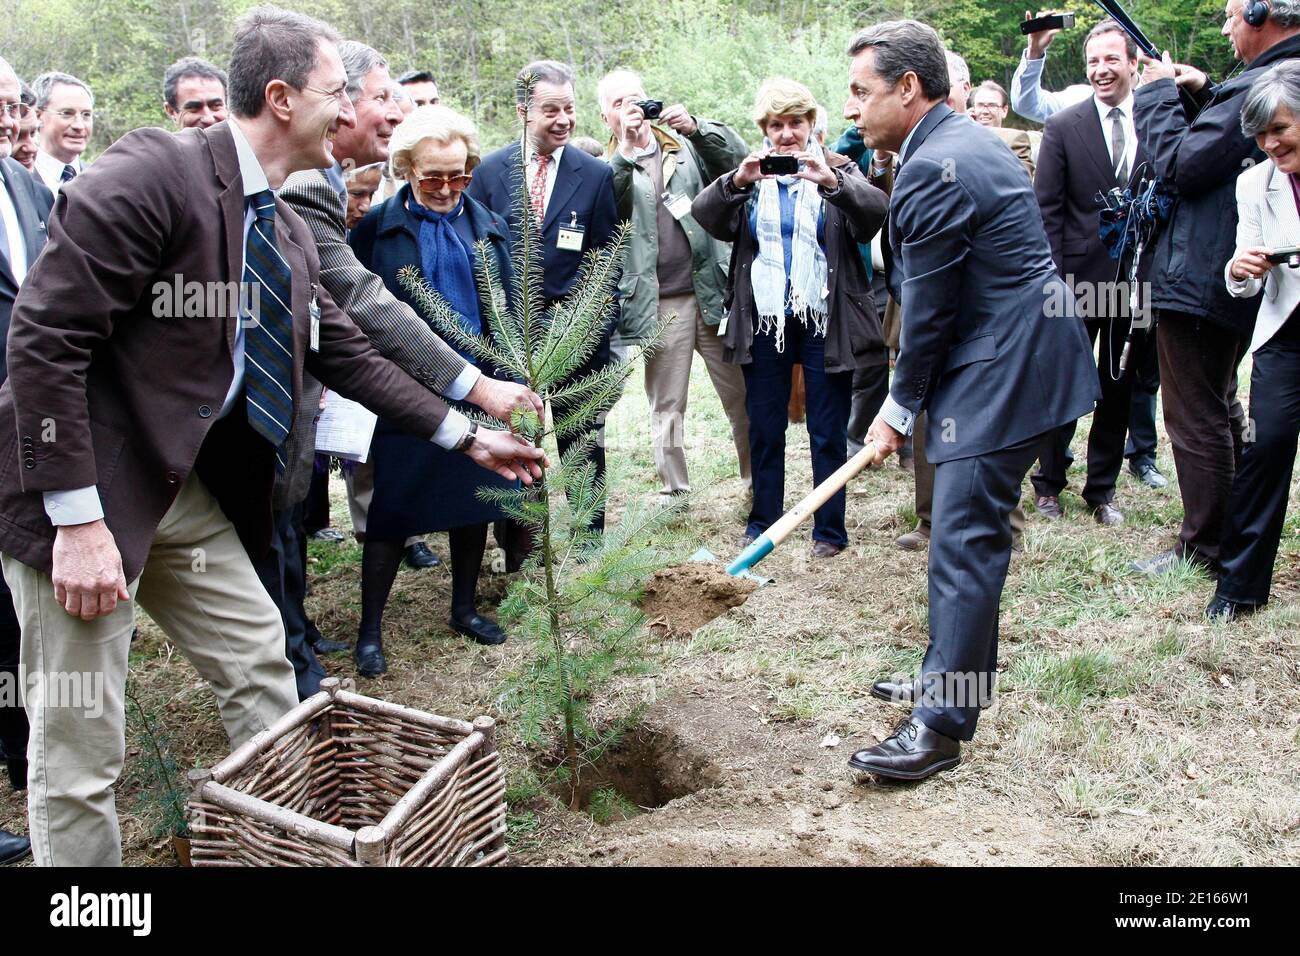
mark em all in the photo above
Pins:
pixel 1126 729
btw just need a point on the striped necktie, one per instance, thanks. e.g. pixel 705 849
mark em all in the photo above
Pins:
pixel 69 174
pixel 268 342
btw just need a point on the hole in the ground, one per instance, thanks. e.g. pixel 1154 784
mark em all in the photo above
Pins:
pixel 648 768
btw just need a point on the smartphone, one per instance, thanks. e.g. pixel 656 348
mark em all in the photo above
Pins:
pixel 1055 21
pixel 1280 256
pixel 778 165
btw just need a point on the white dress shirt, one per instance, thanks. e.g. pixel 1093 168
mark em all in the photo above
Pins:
pixel 1030 100
pixel 50 170
pixel 82 504
pixel 551 169
pixel 14 237
pixel 1108 130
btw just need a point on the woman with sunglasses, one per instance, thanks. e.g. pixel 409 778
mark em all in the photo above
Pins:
pixel 419 487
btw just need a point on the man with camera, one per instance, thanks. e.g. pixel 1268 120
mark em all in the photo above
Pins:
pixel 1202 332
pixel 673 267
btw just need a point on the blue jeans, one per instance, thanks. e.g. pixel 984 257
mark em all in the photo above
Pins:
pixel 767 400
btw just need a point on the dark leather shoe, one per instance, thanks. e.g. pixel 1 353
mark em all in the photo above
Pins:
pixel 1148 474
pixel 824 549
pixel 918 539
pixel 1049 506
pixel 326 646
pixel 370 659
pixel 894 692
pixel 479 628
pixel 1221 609
pixel 419 557
pixel 13 847
pixel 1108 515
pixel 912 752
pixel 745 541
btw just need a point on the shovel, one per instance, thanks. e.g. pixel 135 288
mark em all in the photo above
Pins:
pixel 780 529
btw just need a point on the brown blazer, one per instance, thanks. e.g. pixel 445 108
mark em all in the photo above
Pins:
pixel 107 388
pixel 1017 141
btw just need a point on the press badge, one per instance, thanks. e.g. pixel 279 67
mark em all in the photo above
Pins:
pixel 314 310
pixel 570 237
pixel 677 206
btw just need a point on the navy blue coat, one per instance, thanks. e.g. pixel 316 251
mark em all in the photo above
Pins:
pixel 1201 159
pixel 991 348
pixel 584 188
pixel 420 487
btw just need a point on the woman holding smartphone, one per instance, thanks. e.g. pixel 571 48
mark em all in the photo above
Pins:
pixel 797 293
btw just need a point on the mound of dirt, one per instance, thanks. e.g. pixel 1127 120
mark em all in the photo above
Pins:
pixel 679 599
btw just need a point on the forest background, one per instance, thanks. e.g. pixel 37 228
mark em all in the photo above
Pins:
pixel 709 54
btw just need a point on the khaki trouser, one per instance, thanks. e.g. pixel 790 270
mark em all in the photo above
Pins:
pixel 360 482
pixel 667 386
pixel 200 587
pixel 924 473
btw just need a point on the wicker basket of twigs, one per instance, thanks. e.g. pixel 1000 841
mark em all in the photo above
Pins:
pixel 347 780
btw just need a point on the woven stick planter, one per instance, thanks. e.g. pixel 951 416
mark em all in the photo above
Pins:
pixel 347 780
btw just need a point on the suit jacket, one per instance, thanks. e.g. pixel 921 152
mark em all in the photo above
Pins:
pixel 392 327
pixel 584 185
pixel 32 202
pixel 1018 142
pixel 1267 217
pixel 108 387
pixel 1073 168
pixel 984 349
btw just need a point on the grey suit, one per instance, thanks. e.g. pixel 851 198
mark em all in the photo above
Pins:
pixel 992 352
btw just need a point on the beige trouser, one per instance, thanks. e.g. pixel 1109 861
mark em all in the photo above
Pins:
pixel 667 386
pixel 360 482
pixel 924 474
pixel 200 587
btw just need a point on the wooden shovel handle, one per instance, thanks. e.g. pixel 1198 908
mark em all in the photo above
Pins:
pixel 780 529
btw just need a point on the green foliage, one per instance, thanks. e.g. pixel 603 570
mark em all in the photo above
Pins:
pixel 164 793
pixel 709 54
pixel 575 598
pixel 610 806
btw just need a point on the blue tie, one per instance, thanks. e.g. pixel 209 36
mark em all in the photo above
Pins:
pixel 268 342
pixel 68 175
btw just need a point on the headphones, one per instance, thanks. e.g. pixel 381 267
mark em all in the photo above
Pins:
pixel 1254 12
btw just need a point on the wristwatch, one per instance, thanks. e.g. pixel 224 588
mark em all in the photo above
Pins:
pixel 468 439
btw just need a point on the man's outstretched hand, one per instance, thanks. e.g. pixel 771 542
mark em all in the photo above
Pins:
pixel 508 455
pixel 499 398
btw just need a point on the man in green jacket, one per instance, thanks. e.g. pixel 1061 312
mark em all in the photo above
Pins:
pixel 673 267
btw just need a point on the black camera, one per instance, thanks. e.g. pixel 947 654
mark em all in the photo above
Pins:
pixel 778 165
pixel 651 108
pixel 1289 255
pixel 1055 21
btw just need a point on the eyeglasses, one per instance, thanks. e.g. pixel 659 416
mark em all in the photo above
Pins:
pixel 431 184
pixel 15 110
pixel 69 115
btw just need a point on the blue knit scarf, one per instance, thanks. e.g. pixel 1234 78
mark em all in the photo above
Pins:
pixel 445 261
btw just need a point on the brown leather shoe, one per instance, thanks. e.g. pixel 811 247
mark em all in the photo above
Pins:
pixel 918 539
pixel 1108 515
pixel 824 549
pixel 1049 506
pixel 912 752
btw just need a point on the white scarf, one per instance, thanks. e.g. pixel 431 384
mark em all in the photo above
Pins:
pixel 808 290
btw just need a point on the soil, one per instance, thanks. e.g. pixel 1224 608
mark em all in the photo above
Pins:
pixel 681 599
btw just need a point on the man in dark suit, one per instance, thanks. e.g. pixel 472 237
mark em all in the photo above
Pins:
pixel 24 208
pixel 989 350
pixel 570 193
pixel 1088 150
pixel 140 435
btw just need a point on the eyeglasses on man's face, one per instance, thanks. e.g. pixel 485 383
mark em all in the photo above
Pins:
pixel 15 110
pixel 69 115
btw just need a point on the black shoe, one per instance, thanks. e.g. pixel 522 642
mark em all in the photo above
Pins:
pixel 1221 609
pixel 1108 515
pixel 329 534
pixel 824 549
pixel 912 752
pixel 894 692
pixel 369 658
pixel 13 847
pixel 326 646
pixel 479 628
pixel 419 557
pixel 1147 473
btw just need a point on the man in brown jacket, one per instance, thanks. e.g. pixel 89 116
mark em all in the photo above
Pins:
pixel 155 361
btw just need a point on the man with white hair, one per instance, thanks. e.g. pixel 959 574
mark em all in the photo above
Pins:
pixel 673 266
pixel 65 108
